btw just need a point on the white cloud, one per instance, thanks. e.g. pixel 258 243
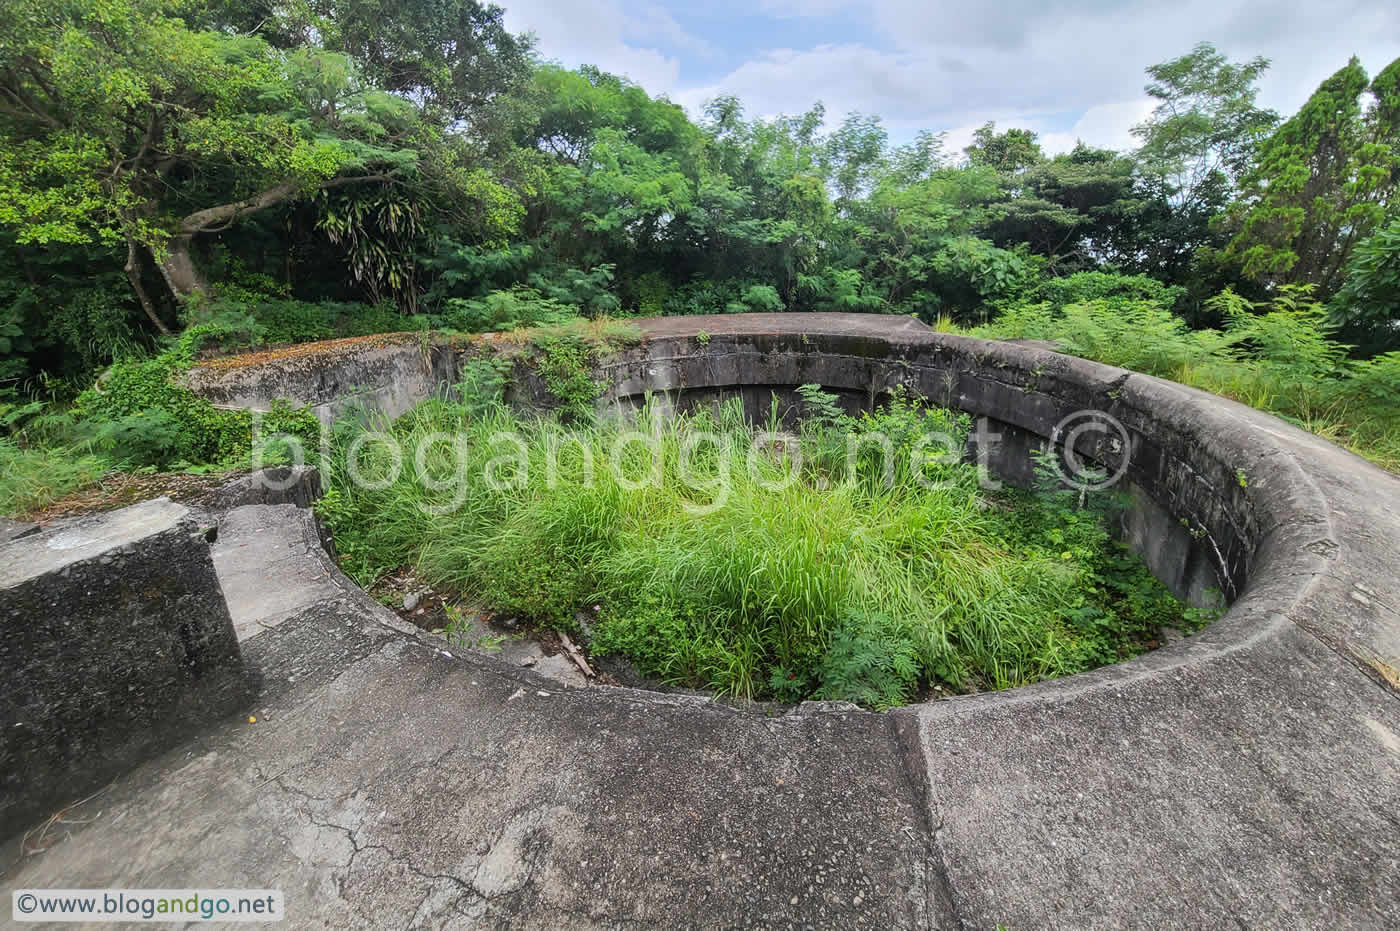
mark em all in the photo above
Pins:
pixel 651 22
pixel 1105 125
pixel 843 77
pixel 1068 69
pixel 596 33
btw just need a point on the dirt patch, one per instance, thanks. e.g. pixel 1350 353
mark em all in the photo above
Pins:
pixel 320 351
pixel 119 489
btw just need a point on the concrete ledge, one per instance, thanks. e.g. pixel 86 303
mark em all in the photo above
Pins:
pixel 116 644
pixel 390 373
pixel 1246 775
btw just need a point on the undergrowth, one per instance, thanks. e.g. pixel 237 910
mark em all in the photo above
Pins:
pixel 137 417
pixel 1280 356
pixel 810 576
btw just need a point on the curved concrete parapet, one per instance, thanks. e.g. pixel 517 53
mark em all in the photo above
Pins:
pixel 1275 507
pixel 115 645
pixel 390 372
pixel 1248 775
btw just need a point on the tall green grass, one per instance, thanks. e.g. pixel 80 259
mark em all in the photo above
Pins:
pixel 1280 356
pixel 793 582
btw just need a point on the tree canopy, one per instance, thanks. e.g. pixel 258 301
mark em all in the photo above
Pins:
pixel 168 161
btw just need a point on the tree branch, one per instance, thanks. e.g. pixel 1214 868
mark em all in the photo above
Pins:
pixel 212 219
pixel 133 274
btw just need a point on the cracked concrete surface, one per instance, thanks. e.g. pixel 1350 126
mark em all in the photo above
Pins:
pixel 386 785
pixel 267 575
pixel 1246 776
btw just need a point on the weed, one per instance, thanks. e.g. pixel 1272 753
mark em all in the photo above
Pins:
pixel 843 580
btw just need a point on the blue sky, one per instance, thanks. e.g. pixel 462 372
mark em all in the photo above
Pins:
pixel 1068 69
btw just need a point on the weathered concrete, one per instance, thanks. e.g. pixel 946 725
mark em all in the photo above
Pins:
pixel 390 373
pixel 299 485
pixel 14 529
pixel 392 781
pixel 267 574
pixel 1248 775
pixel 116 645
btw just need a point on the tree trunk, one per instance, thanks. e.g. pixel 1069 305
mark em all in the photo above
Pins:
pixel 133 274
pixel 178 268
pixel 182 275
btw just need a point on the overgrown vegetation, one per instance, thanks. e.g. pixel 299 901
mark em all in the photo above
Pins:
pixel 800 578
pixel 194 177
pixel 272 174
pixel 138 418
pixel 1279 355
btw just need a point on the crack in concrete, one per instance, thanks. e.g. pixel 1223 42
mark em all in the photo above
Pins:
pixel 468 888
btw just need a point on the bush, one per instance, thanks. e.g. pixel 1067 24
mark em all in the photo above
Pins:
pixel 31 478
pixel 1280 356
pixel 240 320
pixel 202 433
pixel 505 310
pixel 146 438
pixel 1367 308
pixel 1105 286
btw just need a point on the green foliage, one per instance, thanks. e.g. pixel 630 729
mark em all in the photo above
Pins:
pixel 1367 308
pixel 869 661
pixel 1082 287
pixel 761 297
pixel 31 478
pixel 1205 126
pixel 143 414
pixel 482 384
pixel 1010 151
pixel 1322 181
pixel 505 310
pixel 146 438
pixel 844 583
pixel 1281 356
pixel 566 363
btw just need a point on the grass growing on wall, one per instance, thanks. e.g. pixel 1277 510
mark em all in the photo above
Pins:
pixel 833 587
pixel 1280 356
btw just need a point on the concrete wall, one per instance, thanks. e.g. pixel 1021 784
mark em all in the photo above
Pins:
pixel 389 373
pixel 115 645
pixel 1188 463
pixel 1192 521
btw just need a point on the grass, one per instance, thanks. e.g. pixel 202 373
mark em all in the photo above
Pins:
pixel 31 479
pixel 1279 357
pixel 786 582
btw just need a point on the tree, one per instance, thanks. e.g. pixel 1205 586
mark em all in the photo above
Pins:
pixel 1068 205
pixel 1366 310
pixel 454 55
pixel 124 125
pixel 1203 132
pixel 854 154
pixel 1323 181
pixel 1009 152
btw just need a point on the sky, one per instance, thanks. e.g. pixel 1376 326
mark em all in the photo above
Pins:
pixel 1068 69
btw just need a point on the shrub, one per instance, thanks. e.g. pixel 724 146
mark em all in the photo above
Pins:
pixel 505 310
pixel 203 433
pixel 146 438
pixel 1367 308
pixel 1281 356
pixel 31 478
